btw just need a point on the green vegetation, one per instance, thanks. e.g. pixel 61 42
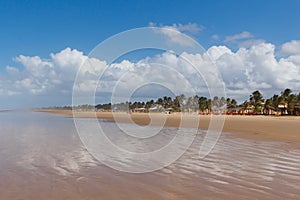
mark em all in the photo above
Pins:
pixel 286 103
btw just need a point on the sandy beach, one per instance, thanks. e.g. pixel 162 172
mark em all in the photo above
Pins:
pixel 262 128
pixel 43 157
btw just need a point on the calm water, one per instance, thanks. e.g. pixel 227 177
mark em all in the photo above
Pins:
pixel 41 157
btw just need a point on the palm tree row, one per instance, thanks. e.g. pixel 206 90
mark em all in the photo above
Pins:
pixel 286 103
pixel 178 104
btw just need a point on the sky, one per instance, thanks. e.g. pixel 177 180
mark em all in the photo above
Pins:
pixel 254 44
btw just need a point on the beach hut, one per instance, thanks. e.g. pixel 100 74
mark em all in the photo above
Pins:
pixel 156 108
pixel 282 107
pixel 231 110
pixel 139 110
pixel 249 110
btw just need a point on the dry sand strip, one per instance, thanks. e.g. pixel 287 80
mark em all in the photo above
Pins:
pixel 261 128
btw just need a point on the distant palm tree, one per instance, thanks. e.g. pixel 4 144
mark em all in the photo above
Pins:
pixel 159 101
pixel 244 106
pixel 256 99
pixel 275 101
pixel 228 101
pixel 286 93
pixel 203 104
pixel 269 105
pixel 179 102
pixel 288 98
pixel 233 103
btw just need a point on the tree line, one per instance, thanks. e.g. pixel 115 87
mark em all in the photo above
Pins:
pixel 286 103
pixel 178 104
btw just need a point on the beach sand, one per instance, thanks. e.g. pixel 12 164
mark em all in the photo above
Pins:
pixel 42 157
pixel 262 128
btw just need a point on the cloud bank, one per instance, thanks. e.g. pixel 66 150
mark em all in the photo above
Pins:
pixel 243 71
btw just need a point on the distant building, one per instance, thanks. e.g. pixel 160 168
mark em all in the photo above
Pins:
pixel 156 108
pixel 140 110
pixel 283 108
pixel 250 110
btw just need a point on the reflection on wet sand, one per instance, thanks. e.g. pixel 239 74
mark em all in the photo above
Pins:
pixel 41 157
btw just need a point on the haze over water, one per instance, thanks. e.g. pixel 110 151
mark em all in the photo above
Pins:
pixel 41 157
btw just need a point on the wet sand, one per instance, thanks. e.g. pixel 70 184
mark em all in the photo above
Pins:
pixel 262 128
pixel 42 157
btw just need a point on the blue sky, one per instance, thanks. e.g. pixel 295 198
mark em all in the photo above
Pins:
pixel 38 28
pixel 41 27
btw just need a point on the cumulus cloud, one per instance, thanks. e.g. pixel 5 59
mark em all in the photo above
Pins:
pixel 255 68
pixel 251 42
pixel 291 48
pixel 40 76
pixel 243 71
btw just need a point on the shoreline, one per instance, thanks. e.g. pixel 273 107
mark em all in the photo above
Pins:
pixel 260 128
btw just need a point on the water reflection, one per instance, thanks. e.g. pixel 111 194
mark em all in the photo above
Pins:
pixel 41 157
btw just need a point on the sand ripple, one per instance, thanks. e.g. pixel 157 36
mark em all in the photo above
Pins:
pixel 41 157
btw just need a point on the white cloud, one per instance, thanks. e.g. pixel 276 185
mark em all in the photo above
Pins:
pixel 174 32
pixel 192 28
pixel 291 48
pixel 257 68
pixel 41 76
pixel 251 42
pixel 239 36
pixel 243 71
pixel 243 40
pixel 189 28
pixel 216 51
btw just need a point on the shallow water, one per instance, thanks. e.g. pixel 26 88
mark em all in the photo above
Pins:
pixel 41 157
